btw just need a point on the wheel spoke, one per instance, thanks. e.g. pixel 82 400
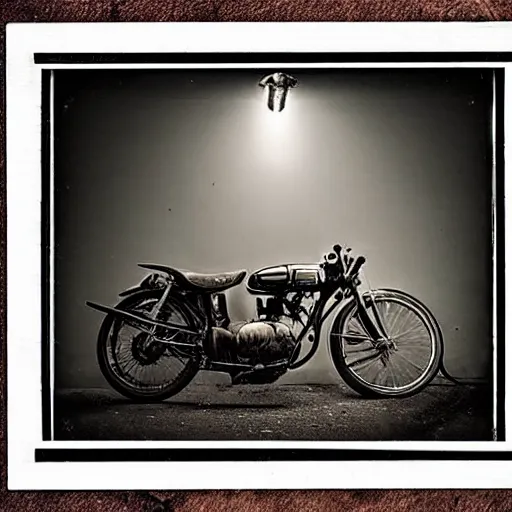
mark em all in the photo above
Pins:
pixel 130 366
pixel 392 372
pixel 407 331
pixel 401 320
pixel 415 349
pixel 409 361
pixel 379 323
pixel 378 376
pixel 350 336
pixel 371 358
pixel 357 350
pixel 378 369
pixel 394 317
pixel 360 327
pixel 384 314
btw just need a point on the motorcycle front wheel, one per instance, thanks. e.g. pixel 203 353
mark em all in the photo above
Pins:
pixel 407 358
pixel 136 367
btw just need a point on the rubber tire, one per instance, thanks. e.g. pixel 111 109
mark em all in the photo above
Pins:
pixel 359 386
pixel 123 388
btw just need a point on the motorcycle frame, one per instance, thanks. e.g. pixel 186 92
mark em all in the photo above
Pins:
pixel 199 306
pixel 315 322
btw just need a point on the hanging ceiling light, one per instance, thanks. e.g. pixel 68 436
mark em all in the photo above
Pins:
pixel 277 86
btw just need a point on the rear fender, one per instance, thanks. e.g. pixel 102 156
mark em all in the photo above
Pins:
pixel 150 282
pixel 156 281
pixel 130 291
pixel 140 319
pixel 178 276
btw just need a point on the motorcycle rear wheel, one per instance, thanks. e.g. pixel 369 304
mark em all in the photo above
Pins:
pixel 110 363
pixel 393 372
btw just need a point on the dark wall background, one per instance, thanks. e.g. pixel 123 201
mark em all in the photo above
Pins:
pixel 189 168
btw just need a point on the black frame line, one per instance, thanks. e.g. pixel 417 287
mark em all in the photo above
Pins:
pixel 499 301
pixel 45 254
pixel 256 455
pixel 200 454
pixel 258 57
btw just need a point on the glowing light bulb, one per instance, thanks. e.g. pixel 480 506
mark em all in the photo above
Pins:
pixel 277 86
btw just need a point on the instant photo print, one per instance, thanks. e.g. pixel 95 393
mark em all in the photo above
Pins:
pixel 257 255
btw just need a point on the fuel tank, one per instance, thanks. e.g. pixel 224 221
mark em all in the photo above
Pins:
pixel 283 279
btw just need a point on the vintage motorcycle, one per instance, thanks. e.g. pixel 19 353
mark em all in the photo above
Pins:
pixel 383 343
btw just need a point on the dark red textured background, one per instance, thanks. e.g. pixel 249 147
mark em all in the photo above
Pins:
pixel 237 10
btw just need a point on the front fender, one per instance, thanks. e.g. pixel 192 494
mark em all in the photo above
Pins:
pixel 419 304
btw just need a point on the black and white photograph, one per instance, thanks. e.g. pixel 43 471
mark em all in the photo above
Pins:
pixel 267 254
pixel 272 250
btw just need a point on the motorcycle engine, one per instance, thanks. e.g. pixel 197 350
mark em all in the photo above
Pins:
pixel 266 340
pixel 263 342
pixel 256 342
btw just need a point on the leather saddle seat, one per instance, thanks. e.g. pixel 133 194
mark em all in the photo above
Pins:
pixel 214 282
pixel 194 281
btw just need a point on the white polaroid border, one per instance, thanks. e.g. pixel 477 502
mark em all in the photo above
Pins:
pixel 24 265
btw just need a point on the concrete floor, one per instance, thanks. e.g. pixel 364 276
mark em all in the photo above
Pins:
pixel 276 412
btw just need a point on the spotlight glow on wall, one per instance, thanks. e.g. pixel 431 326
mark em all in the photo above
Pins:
pixel 277 86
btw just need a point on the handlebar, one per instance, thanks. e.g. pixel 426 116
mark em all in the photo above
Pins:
pixel 356 267
pixel 347 267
